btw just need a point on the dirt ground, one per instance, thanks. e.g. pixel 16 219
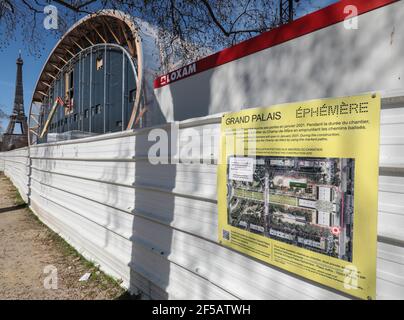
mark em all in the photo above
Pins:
pixel 27 247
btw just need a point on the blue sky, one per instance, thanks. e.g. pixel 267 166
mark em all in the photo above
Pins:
pixel 33 65
pixel 31 69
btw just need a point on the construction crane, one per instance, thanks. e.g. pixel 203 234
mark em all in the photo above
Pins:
pixel 286 10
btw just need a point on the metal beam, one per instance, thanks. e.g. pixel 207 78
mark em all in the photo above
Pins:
pixel 286 11
pixel 32 131
pixel 42 93
pixel 88 39
pixel 33 118
pixel 56 67
pixel 65 61
pixel 46 84
pixel 113 34
pixel 80 47
pixel 99 34
pixel 71 53
pixel 50 75
pixel 130 45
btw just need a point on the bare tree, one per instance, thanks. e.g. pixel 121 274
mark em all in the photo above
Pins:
pixel 187 28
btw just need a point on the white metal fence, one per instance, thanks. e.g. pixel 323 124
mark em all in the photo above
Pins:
pixel 155 226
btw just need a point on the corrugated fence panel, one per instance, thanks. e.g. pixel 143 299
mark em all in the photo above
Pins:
pixel 15 165
pixel 155 226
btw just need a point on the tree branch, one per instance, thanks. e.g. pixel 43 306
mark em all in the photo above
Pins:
pixel 215 20
pixel 225 32
pixel 75 8
pixel 30 7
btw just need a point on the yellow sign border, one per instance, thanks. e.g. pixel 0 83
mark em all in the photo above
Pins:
pixel 363 146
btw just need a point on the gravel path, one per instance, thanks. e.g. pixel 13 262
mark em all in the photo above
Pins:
pixel 27 247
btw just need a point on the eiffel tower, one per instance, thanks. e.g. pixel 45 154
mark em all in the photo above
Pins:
pixel 13 139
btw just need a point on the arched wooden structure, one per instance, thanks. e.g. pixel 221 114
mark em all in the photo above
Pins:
pixel 108 33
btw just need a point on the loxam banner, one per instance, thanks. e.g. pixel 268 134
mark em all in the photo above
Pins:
pixel 298 188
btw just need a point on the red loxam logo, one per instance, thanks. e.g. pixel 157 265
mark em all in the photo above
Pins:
pixel 178 74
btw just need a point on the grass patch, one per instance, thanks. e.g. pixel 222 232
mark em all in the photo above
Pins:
pixel 18 199
pixel 103 280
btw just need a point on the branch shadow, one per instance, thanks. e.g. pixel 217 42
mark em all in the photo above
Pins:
pixel 13 208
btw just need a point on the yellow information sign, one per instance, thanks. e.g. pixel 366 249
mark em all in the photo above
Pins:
pixel 298 187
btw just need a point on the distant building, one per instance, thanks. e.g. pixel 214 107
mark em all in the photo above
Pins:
pixel 324 218
pixel 97 79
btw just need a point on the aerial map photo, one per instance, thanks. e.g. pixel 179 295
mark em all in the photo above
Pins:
pixel 305 202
